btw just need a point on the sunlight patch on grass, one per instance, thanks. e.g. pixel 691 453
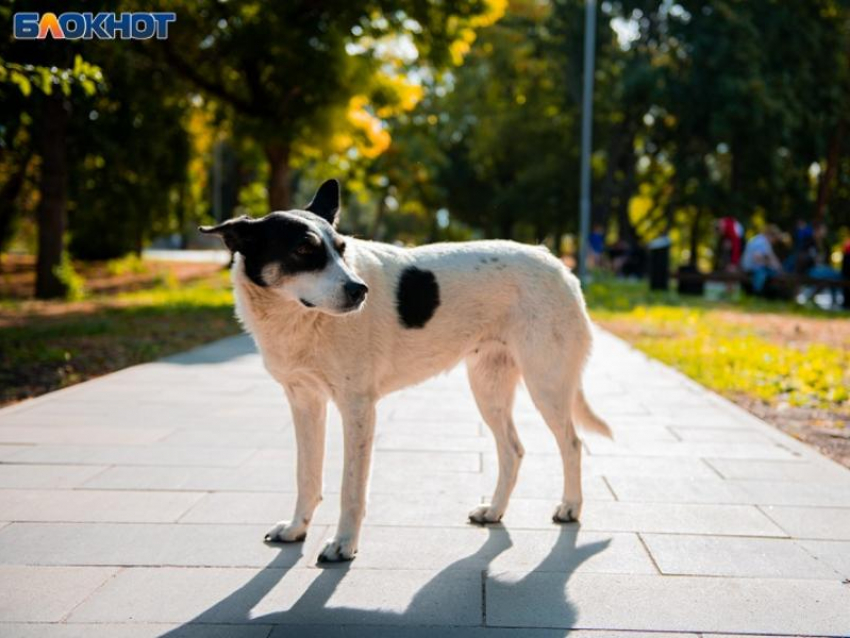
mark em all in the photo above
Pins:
pixel 704 341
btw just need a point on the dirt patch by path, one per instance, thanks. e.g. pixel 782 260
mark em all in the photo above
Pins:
pixel 827 431
pixel 792 331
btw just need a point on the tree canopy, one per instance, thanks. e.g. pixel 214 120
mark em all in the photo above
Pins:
pixel 444 119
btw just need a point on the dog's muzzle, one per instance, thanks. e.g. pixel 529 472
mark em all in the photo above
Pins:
pixel 355 292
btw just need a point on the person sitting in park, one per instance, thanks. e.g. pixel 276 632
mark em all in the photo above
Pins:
pixel 759 259
pixel 628 258
pixel 596 243
pixel 730 239
pixel 818 258
pixel 803 249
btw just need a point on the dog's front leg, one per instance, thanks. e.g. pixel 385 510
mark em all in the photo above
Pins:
pixel 358 424
pixel 308 416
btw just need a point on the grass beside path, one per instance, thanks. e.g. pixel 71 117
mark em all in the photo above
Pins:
pixel 789 365
pixel 46 346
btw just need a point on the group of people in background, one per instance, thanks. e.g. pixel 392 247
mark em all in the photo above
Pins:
pixel 803 252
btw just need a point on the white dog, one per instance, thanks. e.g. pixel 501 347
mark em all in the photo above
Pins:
pixel 511 311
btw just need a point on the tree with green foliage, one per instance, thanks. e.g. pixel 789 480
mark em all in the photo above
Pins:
pixel 39 82
pixel 130 151
pixel 288 74
pixel 743 101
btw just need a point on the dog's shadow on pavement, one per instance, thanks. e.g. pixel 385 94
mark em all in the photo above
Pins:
pixel 314 617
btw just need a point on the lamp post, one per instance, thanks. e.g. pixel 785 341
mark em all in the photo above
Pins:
pixel 586 134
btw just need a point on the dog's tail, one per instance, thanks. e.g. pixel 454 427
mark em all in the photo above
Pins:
pixel 584 414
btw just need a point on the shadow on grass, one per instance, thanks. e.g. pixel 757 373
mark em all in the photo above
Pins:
pixel 311 614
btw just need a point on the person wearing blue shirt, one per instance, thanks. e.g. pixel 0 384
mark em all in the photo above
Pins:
pixel 759 260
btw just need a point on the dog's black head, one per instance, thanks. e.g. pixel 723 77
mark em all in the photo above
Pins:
pixel 298 253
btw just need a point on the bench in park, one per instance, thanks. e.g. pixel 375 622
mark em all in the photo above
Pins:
pixel 788 283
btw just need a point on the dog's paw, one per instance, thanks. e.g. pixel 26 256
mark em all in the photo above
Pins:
pixel 337 550
pixel 567 513
pixel 484 515
pixel 286 532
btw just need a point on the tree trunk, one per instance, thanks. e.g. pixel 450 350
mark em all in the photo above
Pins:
pixel 625 229
pixel 54 197
pixel 827 177
pixel 8 195
pixel 280 184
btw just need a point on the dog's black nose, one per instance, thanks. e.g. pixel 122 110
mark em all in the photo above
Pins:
pixel 355 291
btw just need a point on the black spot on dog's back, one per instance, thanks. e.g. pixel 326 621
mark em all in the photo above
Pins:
pixel 417 297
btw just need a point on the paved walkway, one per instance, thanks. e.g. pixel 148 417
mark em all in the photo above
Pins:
pixel 135 505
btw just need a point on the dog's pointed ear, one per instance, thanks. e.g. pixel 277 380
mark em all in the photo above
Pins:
pixel 236 233
pixel 325 202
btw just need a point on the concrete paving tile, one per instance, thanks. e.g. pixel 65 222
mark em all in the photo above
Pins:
pixel 690 450
pixel 82 435
pixel 255 508
pixel 383 509
pixel 432 428
pixel 46 594
pixel 130 544
pixel 683 490
pixel 8 451
pixel 623 406
pixel 683 518
pixel 421 510
pixel 549 485
pixel 595 465
pixel 134 630
pixel 699 419
pixel 721 435
pixel 394 461
pixel 130 455
pixel 734 556
pixel 836 554
pixel 298 596
pixel 258 439
pixel 453 461
pixel 281 478
pixel 134 413
pixel 47 476
pixel 671 467
pixel 248 479
pixel 447 410
pixel 800 472
pixel 95 505
pixel 632 431
pixel 374 631
pixel 434 442
pixel 605 601
pixel 500 548
pixel 794 493
pixel 812 522
pixel 459 485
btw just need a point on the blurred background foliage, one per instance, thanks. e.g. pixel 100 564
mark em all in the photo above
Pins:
pixel 444 120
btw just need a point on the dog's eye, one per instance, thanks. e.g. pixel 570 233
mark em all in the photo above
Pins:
pixel 308 245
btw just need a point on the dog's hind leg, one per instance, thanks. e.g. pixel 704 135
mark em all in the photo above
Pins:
pixel 309 411
pixel 552 382
pixel 493 375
